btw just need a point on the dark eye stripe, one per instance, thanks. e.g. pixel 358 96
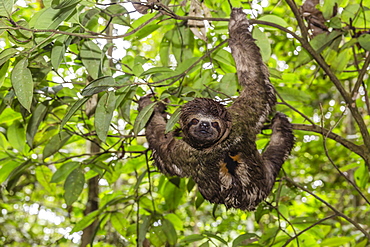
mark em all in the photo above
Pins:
pixel 194 121
pixel 216 126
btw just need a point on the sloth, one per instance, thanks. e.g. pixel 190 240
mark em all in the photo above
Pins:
pixel 217 145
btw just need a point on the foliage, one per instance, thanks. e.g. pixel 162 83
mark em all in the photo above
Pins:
pixel 71 72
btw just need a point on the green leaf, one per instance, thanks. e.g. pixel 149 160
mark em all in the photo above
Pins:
pixel 6 7
pixel 362 176
pixel 190 185
pixel 50 18
pixel 239 241
pixel 21 37
pixel 62 4
pixel 124 101
pixel 328 7
pixel 143 117
pixel 157 70
pixel 211 235
pixel 362 243
pixel 143 228
pixel 164 51
pixel 22 83
pixel 175 220
pixel 72 111
pixel 173 120
pixel 6 54
pixel 99 85
pixel 37 116
pixel 225 60
pixel 349 167
pixel 261 211
pixel 55 143
pixel 59 49
pixel 16 174
pixel 9 115
pixel 137 68
pixel 185 65
pixel 74 185
pixel 104 113
pixel 273 19
pixel 284 211
pixel 192 238
pixel 293 94
pixel 263 43
pixel 336 241
pixel 3 72
pixel 169 231
pixel 43 175
pixel 205 244
pixel 229 84
pixel 172 195
pixel 119 222
pixel 145 31
pixel 62 173
pixel 89 19
pixel 275 73
pixel 17 136
pixel 319 43
pixel 7 167
pixel 117 10
pixel 364 41
pixel 349 12
pixel 341 61
pixel 4 144
pixel 199 200
pixel 90 55
pixel 86 221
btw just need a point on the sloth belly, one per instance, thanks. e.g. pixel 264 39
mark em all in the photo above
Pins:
pixel 233 180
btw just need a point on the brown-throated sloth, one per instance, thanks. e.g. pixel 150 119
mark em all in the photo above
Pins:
pixel 218 148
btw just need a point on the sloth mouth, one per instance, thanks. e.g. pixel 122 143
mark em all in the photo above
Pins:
pixel 204 133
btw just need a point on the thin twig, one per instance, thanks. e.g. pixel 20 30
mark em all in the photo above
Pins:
pixel 336 211
pixel 177 77
pixel 332 162
pixel 308 228
pixel 294 109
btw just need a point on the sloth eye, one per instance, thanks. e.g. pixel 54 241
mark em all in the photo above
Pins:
pixel 215 125
pixel 194 121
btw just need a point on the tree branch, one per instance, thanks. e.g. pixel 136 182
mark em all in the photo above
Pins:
pixel 336 211
pixel 308 228
pixel 326 68
pixel 360 150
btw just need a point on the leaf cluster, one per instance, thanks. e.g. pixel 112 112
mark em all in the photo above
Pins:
pixel 71 73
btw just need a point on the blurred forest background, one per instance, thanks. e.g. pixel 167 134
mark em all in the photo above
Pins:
pixel 74 165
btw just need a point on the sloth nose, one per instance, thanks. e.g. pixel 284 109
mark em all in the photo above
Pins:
pixel 204 125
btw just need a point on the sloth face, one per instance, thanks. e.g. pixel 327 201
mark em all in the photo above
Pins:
pixel 204 122
pixel 206 129
pixel 203 131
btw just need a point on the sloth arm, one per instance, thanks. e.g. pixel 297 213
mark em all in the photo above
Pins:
pixel 257 97
pixel 172 156
pixel 250 111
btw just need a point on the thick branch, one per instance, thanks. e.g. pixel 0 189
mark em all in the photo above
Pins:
pixel 320 60
pixel 361 77
pixel 360 150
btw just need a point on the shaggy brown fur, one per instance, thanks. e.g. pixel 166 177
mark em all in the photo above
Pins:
pixel 218 148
